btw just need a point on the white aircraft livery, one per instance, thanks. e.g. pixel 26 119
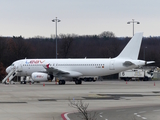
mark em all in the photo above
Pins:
pixel 45 69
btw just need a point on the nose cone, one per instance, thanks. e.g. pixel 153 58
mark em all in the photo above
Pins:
pixel 8 69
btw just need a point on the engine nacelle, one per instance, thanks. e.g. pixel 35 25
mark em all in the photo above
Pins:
pixel 41 77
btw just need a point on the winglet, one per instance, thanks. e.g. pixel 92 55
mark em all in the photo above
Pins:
pixel 46 66
pixel 131 50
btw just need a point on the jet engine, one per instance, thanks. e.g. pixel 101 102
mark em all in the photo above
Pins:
pixel 41 77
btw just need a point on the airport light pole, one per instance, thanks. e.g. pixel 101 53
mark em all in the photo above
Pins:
pixel 133 21
pixel 56 20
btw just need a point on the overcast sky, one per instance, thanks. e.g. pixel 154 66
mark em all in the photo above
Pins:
pixel 30 18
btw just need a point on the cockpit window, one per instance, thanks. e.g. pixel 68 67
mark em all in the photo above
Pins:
pixel 12 65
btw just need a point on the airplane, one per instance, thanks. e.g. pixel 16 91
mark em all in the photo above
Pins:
pixel 45 69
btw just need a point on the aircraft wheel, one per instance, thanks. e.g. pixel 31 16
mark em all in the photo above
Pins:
pixel 23 82
pixel 78 82
pixel 62 82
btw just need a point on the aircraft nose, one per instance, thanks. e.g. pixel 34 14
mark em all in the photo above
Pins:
pixel 8 69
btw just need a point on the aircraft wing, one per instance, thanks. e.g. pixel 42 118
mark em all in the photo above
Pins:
pixel 58 72
pixel 54 71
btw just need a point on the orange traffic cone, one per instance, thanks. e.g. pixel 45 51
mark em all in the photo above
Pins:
pixel 56 82
pixel 43 84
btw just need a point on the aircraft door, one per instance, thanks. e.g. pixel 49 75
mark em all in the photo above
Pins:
pixel 19 67
pixel 111 65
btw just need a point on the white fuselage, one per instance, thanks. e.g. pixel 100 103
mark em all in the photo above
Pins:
pixel 79 67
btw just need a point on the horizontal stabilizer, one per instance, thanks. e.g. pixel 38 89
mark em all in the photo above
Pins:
pixel 149 62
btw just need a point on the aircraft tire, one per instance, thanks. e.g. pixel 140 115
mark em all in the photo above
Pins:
pixel 62 82
pixel 77 82
pixel 80 81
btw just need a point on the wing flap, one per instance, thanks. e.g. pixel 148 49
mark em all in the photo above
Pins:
pixel 53 71
pixel 59 72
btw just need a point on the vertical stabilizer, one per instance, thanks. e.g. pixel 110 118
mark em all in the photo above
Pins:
pixel 131 50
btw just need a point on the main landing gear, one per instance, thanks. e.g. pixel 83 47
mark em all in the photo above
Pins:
pixel 78 82
pixel 62 82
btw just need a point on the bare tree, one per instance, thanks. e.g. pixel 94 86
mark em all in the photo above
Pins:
pixel 107 34
pixel 66 44
pixel 2 48
pixel 82 109
pixel 2 71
